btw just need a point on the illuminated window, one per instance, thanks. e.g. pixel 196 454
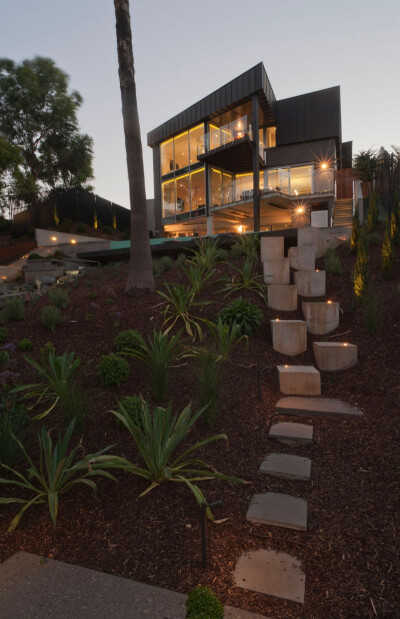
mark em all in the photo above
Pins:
pixel 227 188
pixel 181 145
pixel 271 137
pixel 244 186
pixel 301 180
pixel 196 143
pixel 167 157
pixel 168 198
pixel 197 189
pixel 215 187
pixel 182 188
pixel 278 179
pixel 215 136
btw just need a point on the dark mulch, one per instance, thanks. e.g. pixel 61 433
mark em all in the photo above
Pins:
pixel 350 553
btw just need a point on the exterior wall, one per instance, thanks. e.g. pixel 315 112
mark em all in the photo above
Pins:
pixel 47 238
pixel 300 153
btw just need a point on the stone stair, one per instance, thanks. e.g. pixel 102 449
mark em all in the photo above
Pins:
pixel 316 407
pixel 299 380
pixel 343 213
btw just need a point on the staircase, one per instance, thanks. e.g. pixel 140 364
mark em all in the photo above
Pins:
pixel 343 213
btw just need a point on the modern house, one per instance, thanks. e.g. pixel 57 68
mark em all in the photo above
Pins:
pixel 241 160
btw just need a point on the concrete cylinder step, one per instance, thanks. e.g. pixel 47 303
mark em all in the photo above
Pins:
pixel 272 247
pixel 290 433
pixel 321 317
pixel 299 380
pixel 282 297
pixel 302 258
pixel 310 283
pixel 276 271
pixel 289 337
pixel 334 356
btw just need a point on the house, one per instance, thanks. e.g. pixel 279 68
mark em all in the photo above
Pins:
pixel 241 160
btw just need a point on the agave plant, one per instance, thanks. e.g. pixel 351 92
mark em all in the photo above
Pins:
pixel 157 437
pixel 246 245
pixel 208 254
pixel 197 275
pixel 246 280
pixel 59 376
pixel 56 474
pixel 179 301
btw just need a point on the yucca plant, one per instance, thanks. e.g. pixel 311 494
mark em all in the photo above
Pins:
pixel 157 437
pixel 247 245
pixel 59 376
pixel 160 353
pixel 179 301
pixel 13 422
pixel 246 279
pixel 56 474
pixel 207 254
pixel 197 275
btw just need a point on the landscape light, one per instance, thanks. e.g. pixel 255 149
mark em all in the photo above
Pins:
pixel 240 228
pixel 345 344
pixel 53 238
pixel 329 301
pixel 73 241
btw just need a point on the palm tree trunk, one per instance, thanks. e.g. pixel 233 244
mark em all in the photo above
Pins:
pixel 140 275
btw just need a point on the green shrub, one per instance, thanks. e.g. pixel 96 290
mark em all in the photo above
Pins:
pixel 332 262
pixel 130 406
pixel 13 423
pixel 13 310
pixel 387 255
pixel 373 239
pixel 59 297
pixel 92 294
pixel 34 256
pixel 370 313
pixel 246 279
pixel 4 224
pixel 160 265
pixel 361 271
pixel 246 245
pixel 107 229
pixel 129 339
pixel 202 603
pixel 3 334
pixel 355 232
pixel 4 357
pixel 245 314
pixel 25 344
pixel 81 228
pixel 50 317
pixel 66 225
pixel 45 352
pixel 373 212
pixel 112 370
pixel 208 380
pixel 30 231
pixel 237 251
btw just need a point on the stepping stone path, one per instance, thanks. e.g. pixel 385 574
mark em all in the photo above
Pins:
pixel 291 433
pixel 287 466
pixel 279 510
pixel 316 407
pixel 272 573
pixel 266 571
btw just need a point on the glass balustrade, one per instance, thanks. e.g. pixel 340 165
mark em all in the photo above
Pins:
pixel 221 135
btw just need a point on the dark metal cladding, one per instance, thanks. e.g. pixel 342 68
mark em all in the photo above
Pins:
pixel 290 154
pixel 347 154
pixel 255 80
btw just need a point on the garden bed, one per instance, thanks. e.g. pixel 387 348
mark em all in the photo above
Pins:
pixel 350 551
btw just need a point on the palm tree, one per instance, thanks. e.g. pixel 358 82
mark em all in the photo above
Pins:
pixel 140 275
pixel 366 166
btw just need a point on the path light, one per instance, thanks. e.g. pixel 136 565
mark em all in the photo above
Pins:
pixel 53 238
pixel 329 302
pixel 345 344
pixel 203 525
pixel 73 241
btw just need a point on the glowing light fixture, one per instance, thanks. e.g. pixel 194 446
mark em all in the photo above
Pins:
pixel 317 270
pixel 324 166
pixel 73 241
pixel 329 302
pixel 345 344
pixel 240 228
pixel 296 192
pixel 53 238
pixel 300 210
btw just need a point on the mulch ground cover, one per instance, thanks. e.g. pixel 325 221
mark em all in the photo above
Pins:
pixel 350 553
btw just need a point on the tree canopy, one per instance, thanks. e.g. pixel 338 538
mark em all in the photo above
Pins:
pixel 41 147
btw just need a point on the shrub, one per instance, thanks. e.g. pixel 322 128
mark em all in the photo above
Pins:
pixel 160 265
pixel 355 232
pixel 59 297
pixel 34 256
pixel 373 212
pixel 25 344
pixel 370 313
pixel 112 370
pixel 246 279
pixel 202 603
pixel 50 317
pixel 45 352
pixel 130 406
pixel 13 310
pixel 208 380
pixel 66 225
pixel 387 255
pixel 157 436
pixel 179 301
pixel 30 232
pixel 208 253
pixel 107 230
pixel 4 357
pixel 13 423
pixel 332 262
pixel 129 339
pixel 237 251
pixel 361 271
pixel 246 245
pixel 245 314
pixel 373 239
pixel 47 483
pixel 4 224
pixel 80 227
pixel 3 334
pixel 197 275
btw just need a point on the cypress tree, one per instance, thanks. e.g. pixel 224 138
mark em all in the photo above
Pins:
pixel 387 255
pixel 361 272
pixel 355 232
pixel 372 212
pixel 394 229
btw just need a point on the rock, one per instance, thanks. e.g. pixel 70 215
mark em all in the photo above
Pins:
pixel 279 510
pixel 286 466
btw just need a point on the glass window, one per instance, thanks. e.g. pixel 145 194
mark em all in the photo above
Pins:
pixel 167 157
pixel 168 198
pixel 215 136
pixel 215 187
pixel 301 180
pixel 181 145
pixel 196 142
pixel 197 189
pixel 182 187
pixel 271 137
pixel 278 180
pixel 227 188
pixel 244 186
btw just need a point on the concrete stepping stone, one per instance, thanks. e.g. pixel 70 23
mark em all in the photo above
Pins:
pixel 279 510
pixel 282 297
pixel 290 433
pixel 310 283
pixel 289 337
pixel 334 356
pixel 271 573
pixel 316 407
pixel 321 317
pixel 286 466
pixel 302 258
pixel 299 379
pixel 272 247
pixel 276 271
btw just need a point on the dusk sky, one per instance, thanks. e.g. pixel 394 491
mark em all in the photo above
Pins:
pixel 184 50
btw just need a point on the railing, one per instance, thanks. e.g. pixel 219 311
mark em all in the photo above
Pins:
pixel 219 136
